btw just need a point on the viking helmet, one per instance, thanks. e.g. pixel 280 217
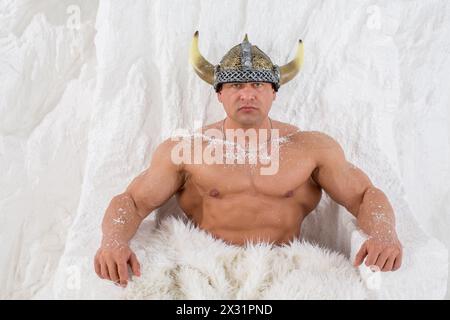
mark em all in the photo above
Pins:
pixel 244 63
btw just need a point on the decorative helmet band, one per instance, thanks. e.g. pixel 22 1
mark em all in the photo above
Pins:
pixel 244 63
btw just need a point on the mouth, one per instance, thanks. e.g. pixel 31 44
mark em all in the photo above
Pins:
pixel 247 108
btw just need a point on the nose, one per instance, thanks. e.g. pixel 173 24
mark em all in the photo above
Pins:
pixel 247 92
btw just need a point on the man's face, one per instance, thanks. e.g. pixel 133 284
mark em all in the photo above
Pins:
pixel 247 103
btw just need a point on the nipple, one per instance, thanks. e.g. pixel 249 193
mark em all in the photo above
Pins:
pixel 214 193
pixel 289 194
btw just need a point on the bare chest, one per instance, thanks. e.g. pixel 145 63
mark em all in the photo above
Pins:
pixel 293 170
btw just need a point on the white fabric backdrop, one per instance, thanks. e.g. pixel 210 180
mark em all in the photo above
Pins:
pixel 88 89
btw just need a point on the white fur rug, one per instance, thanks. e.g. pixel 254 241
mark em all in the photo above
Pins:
pixel 184 262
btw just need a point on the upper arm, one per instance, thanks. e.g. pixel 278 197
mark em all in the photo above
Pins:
pixel 342 181
pixel 153 187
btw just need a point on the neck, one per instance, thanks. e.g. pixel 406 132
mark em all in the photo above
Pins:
pixel 229 123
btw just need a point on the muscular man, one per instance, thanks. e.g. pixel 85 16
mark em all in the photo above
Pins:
pixel 234 201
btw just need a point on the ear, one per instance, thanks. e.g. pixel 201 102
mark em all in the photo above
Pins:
pixel 274 95
pixel 219 96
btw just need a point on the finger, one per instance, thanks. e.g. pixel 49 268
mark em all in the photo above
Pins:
pixel 372 257
pixel 389 263
pixel 97 267
pixel 112 269
pixel 382 258
pixel 398 262
pixel 104 270
pixel 135 266
pixel 123 273
pixel 360 255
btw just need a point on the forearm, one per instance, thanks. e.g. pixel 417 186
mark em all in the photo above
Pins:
pixel 120 222
pixel 376 216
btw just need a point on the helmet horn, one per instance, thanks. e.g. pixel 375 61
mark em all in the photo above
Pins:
pixel 202 67
pixel 289 70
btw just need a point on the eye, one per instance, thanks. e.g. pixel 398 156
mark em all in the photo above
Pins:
pixel 257 84
pixel 235 85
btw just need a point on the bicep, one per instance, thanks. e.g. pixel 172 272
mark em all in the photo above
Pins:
pixel 153 187
pixel 341 180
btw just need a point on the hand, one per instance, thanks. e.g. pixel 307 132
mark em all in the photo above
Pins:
pixel 111 262
pixel 386 255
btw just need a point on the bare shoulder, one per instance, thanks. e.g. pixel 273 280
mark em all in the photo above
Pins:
pixel 165 147
pixel 285 129
pixel 317 138
pixel 163 154
pixel 313 140
pixel 323 148
pixel 209 130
